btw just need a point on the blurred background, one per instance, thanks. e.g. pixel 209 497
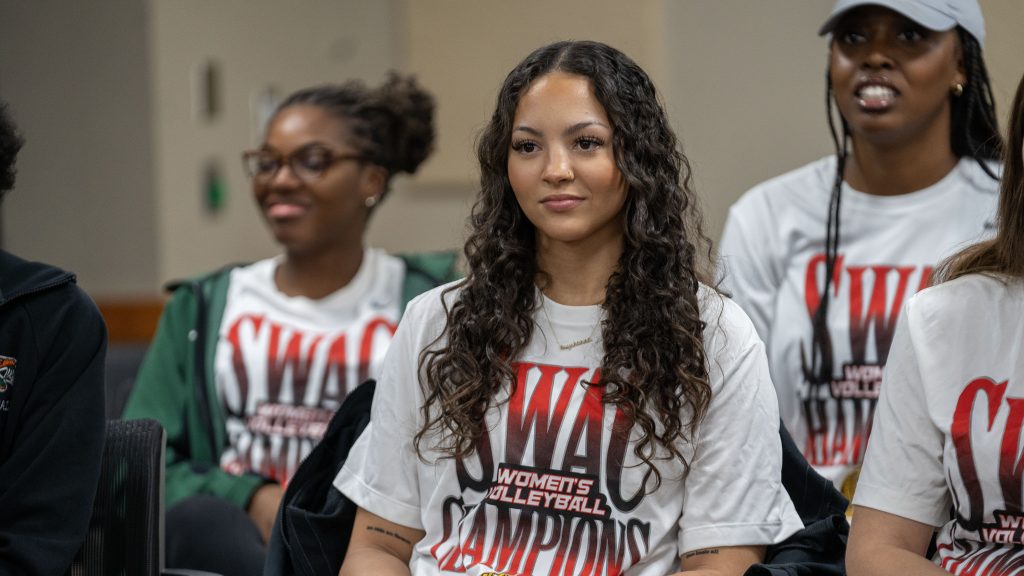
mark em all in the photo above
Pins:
pixel 135 111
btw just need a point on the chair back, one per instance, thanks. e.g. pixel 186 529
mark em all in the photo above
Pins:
pixel 126 529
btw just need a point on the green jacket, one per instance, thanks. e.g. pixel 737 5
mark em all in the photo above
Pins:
pixel 176 385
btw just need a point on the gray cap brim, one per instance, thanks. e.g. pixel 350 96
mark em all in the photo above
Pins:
pixel 939 15
pixel 924 15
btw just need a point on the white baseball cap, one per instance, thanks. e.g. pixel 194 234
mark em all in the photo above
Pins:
pixel 939 15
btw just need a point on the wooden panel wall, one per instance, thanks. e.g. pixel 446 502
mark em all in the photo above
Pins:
pixel 131 321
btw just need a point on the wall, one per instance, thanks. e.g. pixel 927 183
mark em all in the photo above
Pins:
pixel 111 183
pixel 76 75
pixel 1003 49
pixel 746 93
pixel 464 49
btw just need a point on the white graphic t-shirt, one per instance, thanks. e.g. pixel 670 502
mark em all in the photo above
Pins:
pixel 284 364
pixel 947 433
pixel 554 487
pixel 774 263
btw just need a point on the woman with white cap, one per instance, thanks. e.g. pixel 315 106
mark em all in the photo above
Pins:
pixel 823 258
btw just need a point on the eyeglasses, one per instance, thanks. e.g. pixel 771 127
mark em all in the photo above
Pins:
pixel 308 163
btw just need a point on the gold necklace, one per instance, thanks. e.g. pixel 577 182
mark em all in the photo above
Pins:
pixel 574 343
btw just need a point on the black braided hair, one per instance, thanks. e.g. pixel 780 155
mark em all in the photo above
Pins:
pixel 974 129
pixel 974 133
pixel 821 348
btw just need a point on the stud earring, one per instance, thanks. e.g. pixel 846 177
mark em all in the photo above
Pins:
pixel 371 201
pixel 957 90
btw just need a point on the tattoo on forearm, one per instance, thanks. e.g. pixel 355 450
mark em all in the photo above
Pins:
pixel 702 552
pixel 394 535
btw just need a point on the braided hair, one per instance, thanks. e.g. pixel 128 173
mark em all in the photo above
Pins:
pixel 974 130
pixel 974 133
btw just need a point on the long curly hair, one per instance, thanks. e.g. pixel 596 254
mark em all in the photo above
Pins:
pixel 654 366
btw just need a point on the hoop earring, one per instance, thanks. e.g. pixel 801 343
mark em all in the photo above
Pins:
pixel 957 90
pixel 371 201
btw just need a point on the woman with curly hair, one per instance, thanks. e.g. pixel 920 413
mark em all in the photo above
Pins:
pixel 582 402
pixel 945 456
pixel 250 362
pixel 822 258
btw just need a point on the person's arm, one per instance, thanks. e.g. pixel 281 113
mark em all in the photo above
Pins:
pixel 262 507
pixel 884 544
pixel 165 391
pixel 381 474
pixel 733 498
pixel 378 546
pixel 724 561
pixel 48 480
pixel 902 493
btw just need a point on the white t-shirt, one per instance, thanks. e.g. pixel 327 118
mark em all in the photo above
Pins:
pixel 551 489
pixel 284 364
pixel 947 432
pixel 773 257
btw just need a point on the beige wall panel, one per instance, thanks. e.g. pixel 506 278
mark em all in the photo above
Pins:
pixel 1004 49
pixel 76 75
pixel 742 81
pixel 746 92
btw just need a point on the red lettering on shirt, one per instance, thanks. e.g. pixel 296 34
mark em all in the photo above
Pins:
pixel 838 412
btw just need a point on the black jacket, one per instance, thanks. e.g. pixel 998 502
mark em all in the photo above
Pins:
pixel 314 522
pixel 52 346
pixel 820 548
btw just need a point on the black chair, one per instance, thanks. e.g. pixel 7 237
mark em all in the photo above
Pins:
pixel 126 529
pixel 121 366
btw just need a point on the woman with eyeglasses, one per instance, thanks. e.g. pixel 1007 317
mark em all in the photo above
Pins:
pixel 249 363
pixel 823 258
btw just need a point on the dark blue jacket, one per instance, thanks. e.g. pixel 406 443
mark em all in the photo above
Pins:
pixel 52 346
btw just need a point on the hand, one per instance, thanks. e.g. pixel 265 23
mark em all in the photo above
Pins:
pixel 263 508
